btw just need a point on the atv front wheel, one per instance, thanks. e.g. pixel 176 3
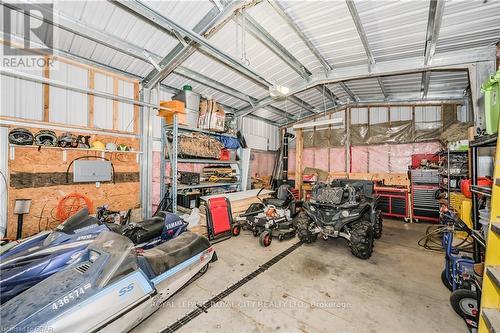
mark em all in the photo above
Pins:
pixel 377 226
pixel 302 223
pixel 265 239
pixel 361 241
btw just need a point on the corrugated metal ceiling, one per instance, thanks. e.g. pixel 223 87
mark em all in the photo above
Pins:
pixel 395 30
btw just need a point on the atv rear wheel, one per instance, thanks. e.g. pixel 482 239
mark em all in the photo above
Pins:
pixel 265 239
pixel 377 226
pixel 302 223
pixel 361 242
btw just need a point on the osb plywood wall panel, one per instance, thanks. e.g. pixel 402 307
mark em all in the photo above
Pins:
pixel 30 166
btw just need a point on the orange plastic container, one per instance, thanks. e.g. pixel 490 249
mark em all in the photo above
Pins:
pixel 175 107
pixel 225 155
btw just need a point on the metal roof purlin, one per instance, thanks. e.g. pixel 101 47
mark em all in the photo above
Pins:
pixel 364 40
pixel 436 9
pixel 211 83
pixel 270 42
pixel 278 7
pixel 81 29
pixel 443 61
pixel 146 13
pixel 348 91
pixel 280 10
pixel 181 52
pixel 118 44
pixel 105 67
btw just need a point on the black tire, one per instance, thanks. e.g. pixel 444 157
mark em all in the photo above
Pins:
pixel 281 237
pixel 255 233
pixel 377 226
pixel 445 281
pixel 235 230
pixel 265 239
pixel 203 270
pixel 301 223
pixel 361 242
pixel 464 302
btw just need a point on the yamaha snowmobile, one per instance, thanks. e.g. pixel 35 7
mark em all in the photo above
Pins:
pixel 114 287
pixel 38 257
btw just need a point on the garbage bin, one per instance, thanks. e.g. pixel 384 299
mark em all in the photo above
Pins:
pixel 491 90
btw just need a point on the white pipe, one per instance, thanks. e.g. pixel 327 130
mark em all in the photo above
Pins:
pixel 319 123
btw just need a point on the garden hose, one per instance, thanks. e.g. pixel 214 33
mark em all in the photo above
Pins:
pixel 432 240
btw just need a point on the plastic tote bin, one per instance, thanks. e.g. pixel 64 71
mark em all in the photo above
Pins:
pixel 190 99
pixel 491 89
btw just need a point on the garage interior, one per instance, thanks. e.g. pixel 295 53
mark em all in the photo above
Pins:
pixel 250 166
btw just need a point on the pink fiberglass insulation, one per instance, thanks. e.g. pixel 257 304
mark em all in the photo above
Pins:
pixel 321 160
pixel 359 159
pixel 337 159
pixel 378 158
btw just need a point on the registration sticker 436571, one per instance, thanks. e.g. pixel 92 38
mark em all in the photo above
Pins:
pixel 70 297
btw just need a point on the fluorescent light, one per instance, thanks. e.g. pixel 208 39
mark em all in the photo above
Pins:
pixel 278 91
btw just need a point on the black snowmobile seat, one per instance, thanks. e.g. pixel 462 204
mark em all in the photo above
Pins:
pixel 144 231
pixel 173 252
pixel 276 202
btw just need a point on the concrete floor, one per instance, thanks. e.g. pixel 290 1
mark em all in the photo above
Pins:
pixel 320 287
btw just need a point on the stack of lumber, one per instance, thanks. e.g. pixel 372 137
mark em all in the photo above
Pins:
pixel 259 182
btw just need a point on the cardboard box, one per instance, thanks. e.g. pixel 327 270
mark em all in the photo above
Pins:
pixel 212 116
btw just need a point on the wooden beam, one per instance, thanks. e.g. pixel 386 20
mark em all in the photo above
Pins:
pixel 299 150
pixel 46 91
pixel 348 140
pixel 414 130
pixel 115 104
pixel 91 99
pixel 136 108
pixel 98 70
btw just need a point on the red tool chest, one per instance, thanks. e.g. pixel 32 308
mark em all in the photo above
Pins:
pixel 393 201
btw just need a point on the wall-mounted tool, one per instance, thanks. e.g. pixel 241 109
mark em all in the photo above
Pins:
pixel 21 207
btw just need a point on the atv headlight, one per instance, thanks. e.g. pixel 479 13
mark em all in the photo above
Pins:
pixel 312 208
pixel 345 213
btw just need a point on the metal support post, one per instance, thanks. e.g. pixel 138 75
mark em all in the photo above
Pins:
pixel 173 163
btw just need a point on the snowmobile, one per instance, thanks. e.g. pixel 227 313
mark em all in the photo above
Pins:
pixel 113 288
pixel 271 217
pixel 345 208
pixel 38 257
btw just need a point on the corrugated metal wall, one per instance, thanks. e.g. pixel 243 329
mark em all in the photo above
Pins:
pixel 426 117
pixel 20 98
pixel 68 107
pixel 24 99
pixel 125 110
pixel 103 108
pixel 260 135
